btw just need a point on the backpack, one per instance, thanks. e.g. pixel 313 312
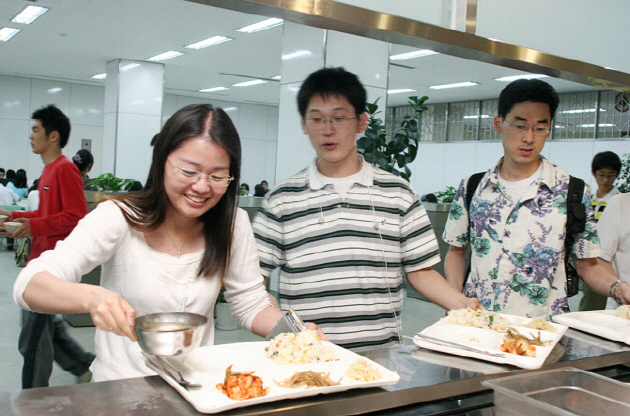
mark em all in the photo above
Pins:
pixel 22 252
pixel 576 223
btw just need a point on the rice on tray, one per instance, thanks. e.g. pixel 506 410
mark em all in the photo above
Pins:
pixel 302 348
pixel 478 319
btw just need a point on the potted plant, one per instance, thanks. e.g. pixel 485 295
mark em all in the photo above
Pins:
pixel 392 155
pixel 223 318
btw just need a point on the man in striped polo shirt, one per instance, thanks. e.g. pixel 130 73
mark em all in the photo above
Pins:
pixel 342 231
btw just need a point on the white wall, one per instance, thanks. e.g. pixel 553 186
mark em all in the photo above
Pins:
pixel 439 165
pixel 19 97
pixel 84 104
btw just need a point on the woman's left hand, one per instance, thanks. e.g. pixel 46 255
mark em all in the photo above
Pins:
pixel 314 327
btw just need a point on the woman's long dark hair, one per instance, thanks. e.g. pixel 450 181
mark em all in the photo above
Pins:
pixel 147 209
pixel 20 179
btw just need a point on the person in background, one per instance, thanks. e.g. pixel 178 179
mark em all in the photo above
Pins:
pixel 7 196
pixel 135 186
pixel 244 190
pixel 10 177
pixel 343 232
pixel 19 184
pixel 61 205
pixel 265 185
pixel 605 168
pixel 168 248
pixel 2 173
pixel 259 190
pixel 32 200
pixel 516 222
pixel 84 161
pixel 614 233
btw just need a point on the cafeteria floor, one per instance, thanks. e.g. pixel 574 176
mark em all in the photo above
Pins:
pixel 417 315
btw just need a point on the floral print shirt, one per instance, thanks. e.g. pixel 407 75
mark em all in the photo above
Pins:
pixel 517 260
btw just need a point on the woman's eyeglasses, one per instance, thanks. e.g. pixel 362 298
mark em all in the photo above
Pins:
pixel 192 176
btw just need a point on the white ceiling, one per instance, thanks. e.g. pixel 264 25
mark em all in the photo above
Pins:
pixel 76 38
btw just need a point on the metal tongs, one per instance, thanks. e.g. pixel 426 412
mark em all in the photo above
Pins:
pixel 453 344
pixel 161 364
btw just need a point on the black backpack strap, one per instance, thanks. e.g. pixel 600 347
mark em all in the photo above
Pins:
pixel 471 187
pixel 576 223
pixel 576 211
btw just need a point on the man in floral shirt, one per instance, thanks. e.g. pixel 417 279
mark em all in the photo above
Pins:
pixel 517 219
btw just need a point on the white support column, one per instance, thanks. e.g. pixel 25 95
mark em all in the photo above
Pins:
pixel 133 115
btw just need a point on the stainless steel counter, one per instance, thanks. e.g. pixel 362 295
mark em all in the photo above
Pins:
pixel 431 383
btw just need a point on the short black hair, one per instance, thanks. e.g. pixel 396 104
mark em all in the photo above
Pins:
pixel 53 119
pixel 604 160
pixel 523 90
pixel 83 158
pixel 246 186
pixel 2 170
pixel 330 82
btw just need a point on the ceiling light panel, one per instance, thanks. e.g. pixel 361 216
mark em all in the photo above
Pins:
pixel 250 83
pixel 456 85
pixel 214 89
pixel 215 40
pixel 7 33
pixel 399 91
pixel 264 25
pixel 164 56
pixel 28 14
pixel 99 76
pixel 515 77
pixel 411 55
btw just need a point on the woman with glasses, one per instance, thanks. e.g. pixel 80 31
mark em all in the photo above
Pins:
pixel 168 248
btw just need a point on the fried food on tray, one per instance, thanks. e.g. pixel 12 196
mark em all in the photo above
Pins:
pixel 362 371
pixel 308 379
pixel 242 385
pixel 519 344
pixel 540 324
pixel 519 347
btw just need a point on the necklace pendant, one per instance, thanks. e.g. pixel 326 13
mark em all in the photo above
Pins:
pixel 179 253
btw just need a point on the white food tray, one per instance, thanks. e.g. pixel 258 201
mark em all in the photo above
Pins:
pixel 488 340
pixel 601 323
pixel 207 365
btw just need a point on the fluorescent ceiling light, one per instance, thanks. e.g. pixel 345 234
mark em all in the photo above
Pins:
pixel 164 56
pixel 296 55
pixel 585 110
pixel 7 33
pixel 264 25
pixel 400 91
pixel 482 116
pixel 411 55
pixel 515 77
pixel 278 77
pixel 593 125
pixel 213 89
pixel 128 67
pixel 250 83
pixel 28 14
pixel 100 76
pixel 215 40
pixel 55 90
pixel 559 126
pixel 456 85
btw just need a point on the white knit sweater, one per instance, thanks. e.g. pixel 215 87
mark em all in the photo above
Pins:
pixel 149 280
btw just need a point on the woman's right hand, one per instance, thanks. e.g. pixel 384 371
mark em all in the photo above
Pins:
pixel 110 312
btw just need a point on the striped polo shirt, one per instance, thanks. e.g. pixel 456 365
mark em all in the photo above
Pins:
pixel 341 259
pixel 599 204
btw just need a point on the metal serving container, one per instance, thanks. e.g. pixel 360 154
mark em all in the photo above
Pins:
pixel 563 391
pixel 170 333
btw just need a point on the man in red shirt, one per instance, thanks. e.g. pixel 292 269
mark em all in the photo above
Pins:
pixel 61 205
